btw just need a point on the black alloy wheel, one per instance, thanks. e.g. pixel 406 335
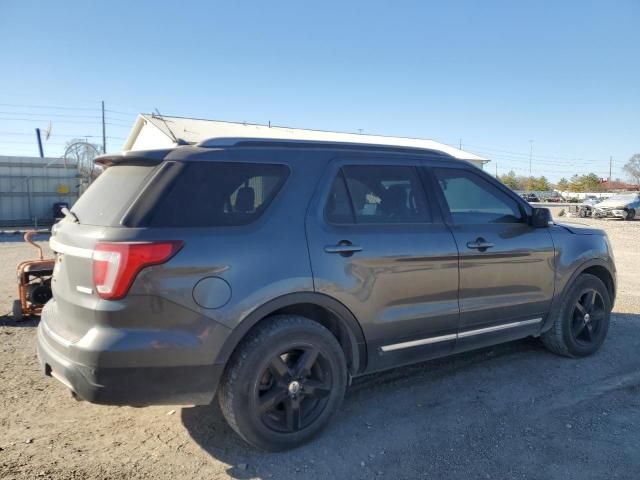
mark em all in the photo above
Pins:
pixel 588 315
pixel 581 323
pixel 284 382
pixel 293 390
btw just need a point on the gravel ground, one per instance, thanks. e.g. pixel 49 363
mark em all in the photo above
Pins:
pixel 511 411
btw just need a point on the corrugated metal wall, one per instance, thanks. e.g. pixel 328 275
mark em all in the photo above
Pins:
pixel 29 186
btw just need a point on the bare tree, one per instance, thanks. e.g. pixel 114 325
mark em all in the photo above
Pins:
pixel 632 168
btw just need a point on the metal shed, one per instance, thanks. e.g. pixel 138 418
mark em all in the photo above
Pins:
pixel 29 186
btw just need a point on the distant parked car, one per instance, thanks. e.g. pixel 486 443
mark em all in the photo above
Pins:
pixel 624 205
pixel 584 209
pixel 530 197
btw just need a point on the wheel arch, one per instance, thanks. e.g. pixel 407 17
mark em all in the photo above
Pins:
pixel 597 267
pixel 317 307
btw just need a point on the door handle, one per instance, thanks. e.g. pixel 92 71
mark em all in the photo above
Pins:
pixel 480 244
pixel 344 248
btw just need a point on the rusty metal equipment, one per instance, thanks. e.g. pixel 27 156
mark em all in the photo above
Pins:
pixel 34 282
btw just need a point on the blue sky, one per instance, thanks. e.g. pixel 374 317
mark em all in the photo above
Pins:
pixel 494 74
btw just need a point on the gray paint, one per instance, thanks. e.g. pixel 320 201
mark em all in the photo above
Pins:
pixel 407 284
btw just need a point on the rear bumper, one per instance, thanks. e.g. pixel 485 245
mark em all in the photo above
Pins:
pixel 129 384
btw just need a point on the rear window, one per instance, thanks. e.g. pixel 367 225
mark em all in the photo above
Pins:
pixel 110 194
pixel 212 194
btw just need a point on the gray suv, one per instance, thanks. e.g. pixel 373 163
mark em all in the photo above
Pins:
pixel 271 272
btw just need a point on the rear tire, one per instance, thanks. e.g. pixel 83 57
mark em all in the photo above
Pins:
pixel 581 325
pixel 16 311
pixel 631 214
pixel 284 383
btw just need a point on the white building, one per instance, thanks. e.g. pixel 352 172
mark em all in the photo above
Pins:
pixel 155 131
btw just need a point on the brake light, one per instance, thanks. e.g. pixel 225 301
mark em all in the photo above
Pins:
pixel 115 265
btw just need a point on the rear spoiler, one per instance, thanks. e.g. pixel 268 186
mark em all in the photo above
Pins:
pixel 149 157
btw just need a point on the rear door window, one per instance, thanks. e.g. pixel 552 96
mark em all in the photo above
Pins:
pixel 213 194
pixel 377 194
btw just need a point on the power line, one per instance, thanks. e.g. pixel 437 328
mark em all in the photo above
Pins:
pixel 526 154
pixel 117 112
pixel 46 120
pixel 52 107
pixel 63 115
pixel 62 135
pixel 522 165
pixel 575 162
pixel 32 143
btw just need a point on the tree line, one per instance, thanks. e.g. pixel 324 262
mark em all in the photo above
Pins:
pixel 589 182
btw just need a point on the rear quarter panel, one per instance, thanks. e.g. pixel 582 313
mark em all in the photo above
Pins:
pixel 260 261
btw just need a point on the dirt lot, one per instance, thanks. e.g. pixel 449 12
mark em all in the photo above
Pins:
pixel 512 411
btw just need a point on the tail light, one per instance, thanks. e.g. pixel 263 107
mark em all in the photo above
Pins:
pixel 115 265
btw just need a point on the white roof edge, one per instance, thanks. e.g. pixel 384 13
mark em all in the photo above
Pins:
pixel 135 131
pixel 290 133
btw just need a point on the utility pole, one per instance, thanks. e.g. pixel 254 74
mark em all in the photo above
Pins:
pixel 610 164
pixel 460 144
pixel 530 155
pixel 496 169
pixel 104 135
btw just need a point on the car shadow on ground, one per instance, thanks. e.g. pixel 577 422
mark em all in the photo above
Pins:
pixel 498 412
pixel 365 402
pixel 7 320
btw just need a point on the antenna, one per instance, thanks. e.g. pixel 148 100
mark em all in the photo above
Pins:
pixel 158 115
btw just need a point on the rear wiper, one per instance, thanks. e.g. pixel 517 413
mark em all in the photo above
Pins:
pixel 69 213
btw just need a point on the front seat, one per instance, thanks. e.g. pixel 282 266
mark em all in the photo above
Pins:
pixel 394 201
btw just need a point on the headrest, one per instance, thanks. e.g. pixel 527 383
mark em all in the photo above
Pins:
pixel 245 200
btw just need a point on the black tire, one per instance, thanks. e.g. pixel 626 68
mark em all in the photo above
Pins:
pixel 631 214
pixel 582 323
pixel 266 391
pixel 17 310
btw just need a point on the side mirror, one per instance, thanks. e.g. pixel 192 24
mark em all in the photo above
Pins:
pixel 541 217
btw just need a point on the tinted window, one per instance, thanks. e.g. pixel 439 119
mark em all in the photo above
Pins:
pixel 110 194
pixel 211 194
pixel 472 199
pixel 338 208
pixel 378 194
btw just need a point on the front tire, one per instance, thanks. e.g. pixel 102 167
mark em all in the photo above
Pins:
pixel 581 325
pixel 284 383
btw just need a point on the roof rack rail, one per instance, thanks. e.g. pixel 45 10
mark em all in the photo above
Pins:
pixel 218 142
